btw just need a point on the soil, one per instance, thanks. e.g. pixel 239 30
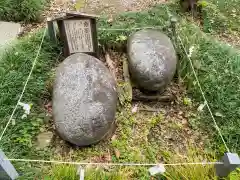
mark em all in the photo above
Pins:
pixel 107 6
pixel 98 7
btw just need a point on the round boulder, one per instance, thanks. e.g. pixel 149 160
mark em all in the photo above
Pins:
pixel 84 100
pixel 152 59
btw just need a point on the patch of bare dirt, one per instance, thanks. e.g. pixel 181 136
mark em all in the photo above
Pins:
pixel 98 7
pixel 117 6
pixel 231 39
pixel 105 6
pixel 174 131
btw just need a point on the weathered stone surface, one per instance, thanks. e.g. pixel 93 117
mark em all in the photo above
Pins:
pixel 84 100
pixel 8 31
pixel 44 139
pixel 152 59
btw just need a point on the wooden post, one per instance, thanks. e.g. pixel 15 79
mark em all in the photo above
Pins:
pixel 174 38
pixel 7 170
pixel 51 30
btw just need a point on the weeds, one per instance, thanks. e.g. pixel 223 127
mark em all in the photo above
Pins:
pixel 15 65
pixel 196 172
pixel 70 172
pixel 63 172
pixel 192 172
pixel 217 65
pixel 21 10
pixel 188 172
pixel 223 13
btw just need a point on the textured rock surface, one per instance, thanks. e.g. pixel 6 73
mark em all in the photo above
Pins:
pixel 9 31
pixel 44 139
pixel 152 59
pixel 84 100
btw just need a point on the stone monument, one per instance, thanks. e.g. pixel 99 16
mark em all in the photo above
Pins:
pixel 152 59
pixel 84 100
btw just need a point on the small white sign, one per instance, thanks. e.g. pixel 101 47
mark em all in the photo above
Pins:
pixel 79 35
pixel 159 169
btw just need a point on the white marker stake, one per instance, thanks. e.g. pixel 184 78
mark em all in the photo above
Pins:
pixel 81 173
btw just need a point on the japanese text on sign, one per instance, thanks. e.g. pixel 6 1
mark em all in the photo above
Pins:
pixel 79 35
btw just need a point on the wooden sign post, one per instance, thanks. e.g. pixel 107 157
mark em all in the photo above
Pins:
pixel 78 32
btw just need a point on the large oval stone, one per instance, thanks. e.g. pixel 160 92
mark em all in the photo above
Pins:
pixel 84 100
pixel 152 59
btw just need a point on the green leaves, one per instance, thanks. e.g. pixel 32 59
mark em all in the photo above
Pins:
pixel 187 101
pixel 121 38
pixel 14 72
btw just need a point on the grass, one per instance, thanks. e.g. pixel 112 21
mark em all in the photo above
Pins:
pixel 70 172
pixel 15 64
pixel 217 66
pixel 21 10
pixel 195 172
pixel 63 172
pixel 188 172
pixel 192 172
pixel 221 16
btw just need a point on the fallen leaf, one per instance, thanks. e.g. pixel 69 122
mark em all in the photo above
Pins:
pixel 79 4
pixel 135 108
pixel 110 20
pixel 200 108
pixel 117 153
pixel 48 107
pixel 114 137
pixel 13 122
pixel 180 113
pixel 159 169
pixel 218 114
pixel 184 122
pixel 107 156
pixel 26 107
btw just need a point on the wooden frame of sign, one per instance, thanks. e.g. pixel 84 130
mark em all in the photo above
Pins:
pixel 78 31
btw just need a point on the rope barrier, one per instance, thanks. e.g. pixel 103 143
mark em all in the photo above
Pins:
pixel 115 164
pixel 112 164
pixel 25 85
pixel 129 29
pixel 203 95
